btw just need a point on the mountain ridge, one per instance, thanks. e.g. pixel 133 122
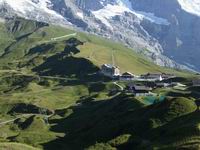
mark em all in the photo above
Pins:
pixel 23 36
pixel 157 34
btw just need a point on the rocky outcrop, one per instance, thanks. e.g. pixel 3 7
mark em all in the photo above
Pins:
pixel 21 28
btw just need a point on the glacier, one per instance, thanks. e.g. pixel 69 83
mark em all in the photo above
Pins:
pixel 122 6
pixel 191 6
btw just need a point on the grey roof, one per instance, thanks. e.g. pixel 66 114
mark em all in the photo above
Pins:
pixel 139 87
pixel 127 73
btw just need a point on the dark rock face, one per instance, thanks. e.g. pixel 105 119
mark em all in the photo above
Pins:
pixel 68 9
pixel 21 28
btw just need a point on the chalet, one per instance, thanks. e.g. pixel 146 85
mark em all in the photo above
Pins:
pixel 139 90
pixel 127 76
pixel 110 71
pixel 166 76
pixel 196 82
pixel 157 76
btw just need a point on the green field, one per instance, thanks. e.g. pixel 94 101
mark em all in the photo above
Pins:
pixel 98 50
pixel 16 146
pixel 51 96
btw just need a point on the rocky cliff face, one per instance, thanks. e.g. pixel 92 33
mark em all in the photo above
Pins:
pixel 165 31
pixel 180 40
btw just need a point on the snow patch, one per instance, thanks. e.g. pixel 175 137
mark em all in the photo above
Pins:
pixel 191 6
pixel 122 6
pixel 80 14
pixel 24 6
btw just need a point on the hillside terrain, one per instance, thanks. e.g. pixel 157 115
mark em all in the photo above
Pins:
pixel 52 96
pixel 169 38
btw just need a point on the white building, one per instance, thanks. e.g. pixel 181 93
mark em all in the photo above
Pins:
pixel 110 70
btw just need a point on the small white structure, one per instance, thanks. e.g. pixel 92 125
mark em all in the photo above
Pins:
pixel 110 70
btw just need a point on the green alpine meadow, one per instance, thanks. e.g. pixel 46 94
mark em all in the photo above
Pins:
pixel 65 89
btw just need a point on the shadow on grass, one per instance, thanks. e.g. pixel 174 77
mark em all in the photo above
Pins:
pixel 66 66
pixel 43 48
pixel 77 70
pixel 22 108
pixel 187 93
pixel 178 129
pixel 93 121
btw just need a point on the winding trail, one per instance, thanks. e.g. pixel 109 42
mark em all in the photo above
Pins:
pixel 24 115
pixel 121 88
pixel 29 115
pixel 57 38
pixel 113 58
pixel 61 37
pixel 32 75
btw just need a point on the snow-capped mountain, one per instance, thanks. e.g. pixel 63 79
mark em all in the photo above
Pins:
pixel 191 6
pixel 164 30
pixel 119 8
pixel 31 9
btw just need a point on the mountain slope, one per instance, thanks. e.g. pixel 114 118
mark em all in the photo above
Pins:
pixel 25 50
pixel 124 123
pixel 37 10
pixel 52 97
pixel 180 39
pixel 168 38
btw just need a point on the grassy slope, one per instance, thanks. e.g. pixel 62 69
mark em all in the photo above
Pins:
pixel 100 50
pixel 96 49
pixel 16 87
pixel 16 146
pixel 5 38
pixel 125 123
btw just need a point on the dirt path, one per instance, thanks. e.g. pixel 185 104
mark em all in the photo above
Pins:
pixel 61 37
pixel 24 115
pixel 121 88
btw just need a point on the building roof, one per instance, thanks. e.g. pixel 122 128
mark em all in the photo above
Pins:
pixel 153 75
pixel 158 74
pixel 162 84
pixel 109 66
pixel 142 88
pixel 139 87
pixel 127 74
pixel 196 80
